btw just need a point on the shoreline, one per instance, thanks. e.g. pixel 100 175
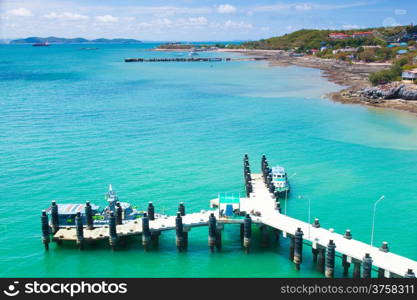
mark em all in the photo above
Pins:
pixel 353 77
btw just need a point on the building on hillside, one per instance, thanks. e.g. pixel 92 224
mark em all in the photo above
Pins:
pixel 410 75
pixel 362 34
pixel 371 47
pixel 339 36
pixel 347 49
pixel 313 51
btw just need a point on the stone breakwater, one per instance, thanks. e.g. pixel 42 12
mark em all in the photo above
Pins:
pixel 391 91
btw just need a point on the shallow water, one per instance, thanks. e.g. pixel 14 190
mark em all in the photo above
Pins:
pixel 73 121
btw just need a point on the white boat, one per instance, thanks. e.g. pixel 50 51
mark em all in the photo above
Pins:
pixel 280 180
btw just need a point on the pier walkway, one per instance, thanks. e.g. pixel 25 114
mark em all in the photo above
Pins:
pixel 261 206
pixel 263 201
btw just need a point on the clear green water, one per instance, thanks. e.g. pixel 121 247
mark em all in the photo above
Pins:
pixel 73 121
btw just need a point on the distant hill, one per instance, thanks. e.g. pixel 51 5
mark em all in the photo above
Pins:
pixel 58 40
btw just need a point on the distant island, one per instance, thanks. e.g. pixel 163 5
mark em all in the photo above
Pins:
pixel 59 40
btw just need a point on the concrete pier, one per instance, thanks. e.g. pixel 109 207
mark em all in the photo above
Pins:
pixel 258 207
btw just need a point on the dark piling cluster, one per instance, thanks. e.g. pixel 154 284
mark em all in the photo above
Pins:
pixel 247 175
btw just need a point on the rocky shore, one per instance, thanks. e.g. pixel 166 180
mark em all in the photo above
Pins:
pixel 354 77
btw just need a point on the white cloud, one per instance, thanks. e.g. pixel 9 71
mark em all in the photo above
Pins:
pixel 237 25
pixel 303 6
pixel 107 19
pixel 350 26
pixel 19 12
pixel 66 16
pixel 400 12
pixel 226 9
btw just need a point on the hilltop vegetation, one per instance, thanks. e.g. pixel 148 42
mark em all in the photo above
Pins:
pixel 305 39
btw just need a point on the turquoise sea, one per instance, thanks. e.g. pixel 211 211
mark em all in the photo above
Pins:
pixel 72 121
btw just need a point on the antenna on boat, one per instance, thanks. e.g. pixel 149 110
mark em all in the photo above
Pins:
pixel 111 198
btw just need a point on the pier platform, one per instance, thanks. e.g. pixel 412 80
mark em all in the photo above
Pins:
pixel 259 206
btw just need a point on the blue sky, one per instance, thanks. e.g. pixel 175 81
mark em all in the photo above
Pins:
pixel 192 20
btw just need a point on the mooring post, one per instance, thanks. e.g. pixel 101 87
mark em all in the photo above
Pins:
pixel 410 274
pixel 151 211
pixel 330 259
pixel 292 245
pixel 315 252
pixel 179 229
pixel 345 263
pixel 356 269
pixel 316 223
pixel 247 232
pixel 79 230
pixel 264 236
pixel 367 266
pixel 298 248
pixel 321 259
pixel 383 248
pixel 112 231
pixel 89 216
pixel 119 214
pixel 146 232
pixel 54 217
pixel 181 209
pixel 212 232
pixel 45 230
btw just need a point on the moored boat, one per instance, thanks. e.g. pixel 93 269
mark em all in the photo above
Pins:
pixel 280 181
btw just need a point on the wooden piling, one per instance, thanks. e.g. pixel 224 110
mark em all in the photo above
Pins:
pixel 345 263
pixel 119 214
pixel 151 211
pixel 79 230
pixel 330 259
pixel 45 230
pixel 146 232
pixel 298 248
pixel 247 232
pixel 410 274
pixel 54 217
pixel 89 216
pixel 179 229
pixel 367 266
pixel 181 209
pixel 112 231
pixel 212 232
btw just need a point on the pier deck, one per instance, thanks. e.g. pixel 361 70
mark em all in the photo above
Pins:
pixel 258 207
pixel 263 201
pixel 135 227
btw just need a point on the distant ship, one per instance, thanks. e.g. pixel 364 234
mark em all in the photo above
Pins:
pixel 41 44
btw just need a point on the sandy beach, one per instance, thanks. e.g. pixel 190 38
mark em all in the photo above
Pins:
pixel 354 77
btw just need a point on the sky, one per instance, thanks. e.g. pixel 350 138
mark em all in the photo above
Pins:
pixel 194 20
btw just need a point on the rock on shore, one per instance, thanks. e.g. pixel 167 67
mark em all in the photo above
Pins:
pixel 391 91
